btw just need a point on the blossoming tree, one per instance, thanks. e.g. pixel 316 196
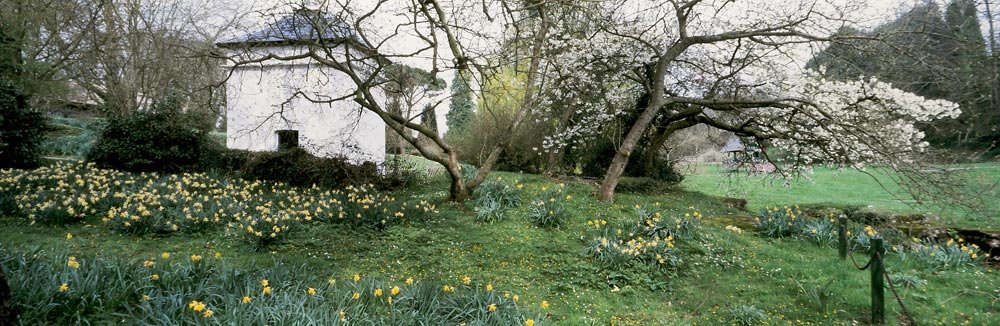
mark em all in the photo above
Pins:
pixel 732 66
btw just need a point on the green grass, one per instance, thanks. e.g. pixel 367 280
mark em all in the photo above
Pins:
pixel 873 191
pixel 725 271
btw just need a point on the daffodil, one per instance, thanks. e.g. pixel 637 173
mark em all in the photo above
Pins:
pixel 466 280
pixel 544 305
pixel 492 307
pixel 63 287
pixel 311 291
pixel 394 291
pixel 195 258
pixel 409 281
pixel 246 299
pixel 378 292
pixel 356 296
pixel 267 290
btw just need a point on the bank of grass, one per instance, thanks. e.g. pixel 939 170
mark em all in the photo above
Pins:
pixel 872 190
pixel 728 278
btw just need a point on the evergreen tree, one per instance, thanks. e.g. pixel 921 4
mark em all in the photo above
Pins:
pixel 21 129
pixel 461 109
pixel 428 117
pixel 930 53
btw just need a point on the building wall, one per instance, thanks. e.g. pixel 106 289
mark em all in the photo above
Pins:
pixel 264 98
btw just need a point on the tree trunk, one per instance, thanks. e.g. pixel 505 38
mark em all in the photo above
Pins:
pixel 607 190
pixel 555 161
pixel 457 192
pixel 660 136
pixel 656 102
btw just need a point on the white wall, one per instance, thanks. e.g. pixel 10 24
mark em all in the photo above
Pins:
pixel 261 99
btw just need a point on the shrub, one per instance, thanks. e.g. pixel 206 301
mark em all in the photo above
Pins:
pixel 21 131
pixel 298 167
pixel 494 198
pixel 157 140
pixel 549 208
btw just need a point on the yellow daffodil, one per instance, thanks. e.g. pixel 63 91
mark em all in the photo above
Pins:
pixel 343 315
pixel 69 236
pixel 311 291
pixel 155 277
pixel 165 255
pixel 466 280
pixel 63 287
pixel 357 278
pixel 515 298
pixel 544 305
pixel 331 281
pixel 529 322
pixel 208 313
pixel 409 281
pixel 197 306
pixel 265 282
pixel 492 307
pixel 72 263
pixel 394 291
pixel 246 299
pixel 195 258
pixel 356 296
pixel 267 290
pixel 489 287
pixel 148 263
pixel 145 297
pixel 378 292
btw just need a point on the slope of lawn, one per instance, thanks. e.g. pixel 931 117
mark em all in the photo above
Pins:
pixel 723 275
pixel 873 190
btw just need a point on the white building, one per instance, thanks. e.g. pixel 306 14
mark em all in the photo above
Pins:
pixel 273 95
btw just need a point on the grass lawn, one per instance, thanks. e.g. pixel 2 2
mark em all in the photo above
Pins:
pixel 723 276
pixel 874 191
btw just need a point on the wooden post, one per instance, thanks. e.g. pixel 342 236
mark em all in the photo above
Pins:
pixel 842 235
pixel 878 282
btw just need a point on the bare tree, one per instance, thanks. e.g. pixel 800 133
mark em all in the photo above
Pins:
pixel 447 42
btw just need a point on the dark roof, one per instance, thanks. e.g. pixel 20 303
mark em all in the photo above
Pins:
pixel 298 26
pixel 733 145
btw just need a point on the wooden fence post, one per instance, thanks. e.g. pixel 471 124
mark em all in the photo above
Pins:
pixel 842 235
pixel 878 281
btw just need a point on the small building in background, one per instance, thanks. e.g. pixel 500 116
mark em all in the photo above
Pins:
pixel 286 103
pixel 742 157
